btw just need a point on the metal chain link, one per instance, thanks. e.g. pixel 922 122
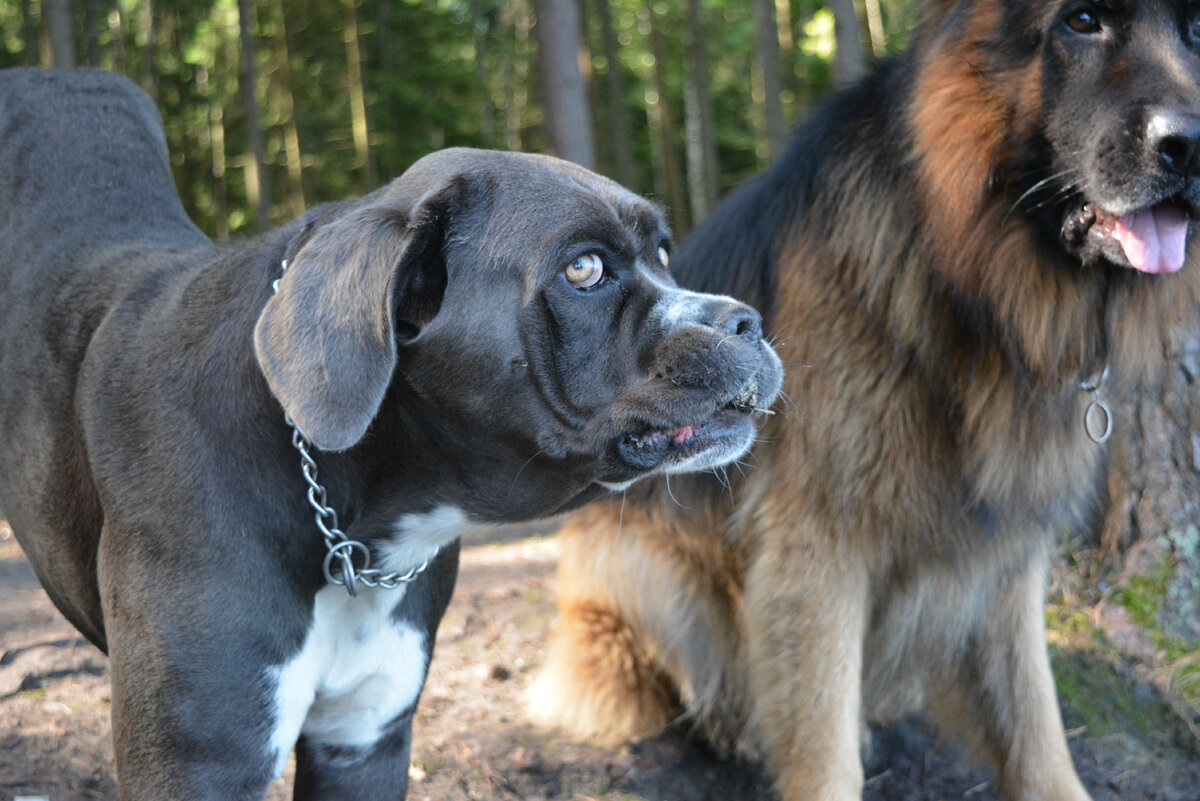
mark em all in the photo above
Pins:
pixel 339 546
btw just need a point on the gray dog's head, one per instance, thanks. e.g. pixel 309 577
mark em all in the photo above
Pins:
pixel 512 315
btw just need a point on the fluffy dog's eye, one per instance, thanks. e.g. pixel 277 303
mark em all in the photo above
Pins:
pixel 1085 20
pixel 664 257
pixel 585 272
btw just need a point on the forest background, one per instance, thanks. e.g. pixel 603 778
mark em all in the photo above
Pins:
pixel 274 105
pixel 270 105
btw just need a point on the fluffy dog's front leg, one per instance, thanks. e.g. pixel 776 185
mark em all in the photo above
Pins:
pixel 806 608
pixel 1009 683
pixel 638 622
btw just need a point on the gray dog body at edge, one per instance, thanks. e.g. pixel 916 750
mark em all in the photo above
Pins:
pixel 430 341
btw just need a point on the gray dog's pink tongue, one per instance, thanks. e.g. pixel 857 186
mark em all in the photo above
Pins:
pixel 1154 239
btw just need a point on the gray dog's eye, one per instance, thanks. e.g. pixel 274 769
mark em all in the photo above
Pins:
pixel 664 257
pixel 585 272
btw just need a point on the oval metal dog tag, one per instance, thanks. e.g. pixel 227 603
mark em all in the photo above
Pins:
pixel 1098 421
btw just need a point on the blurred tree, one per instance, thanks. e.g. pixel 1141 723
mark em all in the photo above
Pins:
pixel 768 90
pixel 258 185
pixel 702 172
pixel 358 98
pixel 310 100
pixel 29 35
pixel 564 96
pixel 618 148
pixel 850 61
pixel 91 31
pixel 668 177
pixel 56 14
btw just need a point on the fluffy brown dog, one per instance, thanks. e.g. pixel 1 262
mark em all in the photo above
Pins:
pixel 948 251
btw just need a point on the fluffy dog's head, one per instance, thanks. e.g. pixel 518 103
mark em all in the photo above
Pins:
pixel 1085 115
pixel 512 316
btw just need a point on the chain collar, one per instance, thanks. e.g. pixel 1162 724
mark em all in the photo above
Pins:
pixel 340 547
pixel 1098 419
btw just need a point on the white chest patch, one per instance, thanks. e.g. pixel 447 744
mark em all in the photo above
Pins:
pixel 358 668
pixel 420 536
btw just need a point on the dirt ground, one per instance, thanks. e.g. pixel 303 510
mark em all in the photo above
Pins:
pixel 472 740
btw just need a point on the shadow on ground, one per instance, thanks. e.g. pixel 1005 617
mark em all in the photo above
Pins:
pixel 472 740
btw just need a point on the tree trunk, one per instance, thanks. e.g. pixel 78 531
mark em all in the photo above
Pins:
pixel 1154 489
pixel 286 102
pixel 358 98
pixel 116 31
pixel 258 191
pixel 769 89
pixel 669 178
pixel 149 28
pixel 875 28
pixel 620 148
pixel 515 73
pixel 32 55
pixel 56 16
pixel 787 46
pixel 483 82
pixel 91 31
pixel 849 60
pixel 564 96
pixel 216 128
pixel 702 167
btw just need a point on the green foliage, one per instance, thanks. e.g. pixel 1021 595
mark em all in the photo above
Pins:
pixel 1143 596
pixel 434 73
pixel 1095 694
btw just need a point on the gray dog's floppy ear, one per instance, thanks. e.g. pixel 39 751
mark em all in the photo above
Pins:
pixel 326 341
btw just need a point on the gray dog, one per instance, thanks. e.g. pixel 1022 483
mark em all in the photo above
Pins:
pixel 491 337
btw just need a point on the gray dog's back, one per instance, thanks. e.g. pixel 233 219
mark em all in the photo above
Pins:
pixel 83 161
pixel 88 215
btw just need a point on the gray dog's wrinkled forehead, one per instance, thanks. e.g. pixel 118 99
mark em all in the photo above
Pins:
pixel 515 170
pixel 537 196
pixel 509 210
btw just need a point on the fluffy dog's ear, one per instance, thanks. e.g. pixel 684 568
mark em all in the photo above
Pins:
pixel 327 340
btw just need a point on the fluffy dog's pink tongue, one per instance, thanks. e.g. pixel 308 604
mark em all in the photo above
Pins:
pixel 1154 239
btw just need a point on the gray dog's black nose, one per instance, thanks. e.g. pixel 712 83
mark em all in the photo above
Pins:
pixel 1175 136
pixel 735 318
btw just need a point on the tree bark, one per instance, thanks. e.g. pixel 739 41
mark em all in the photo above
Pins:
pixel 849 60
pixel 91 31
pixel 515 74
pixel 286 102
pixel 787 46
pixel 116 31
pixel 668 178
pixel 56 16
pixel 487 114
pixel 31 56
pixel 619 146
pixel 769 96
pixel 702 167
pixel 875 28
pixel 150 29
pixel 258 191
pixel 358 98
pixel 1154 489
pixel 564 96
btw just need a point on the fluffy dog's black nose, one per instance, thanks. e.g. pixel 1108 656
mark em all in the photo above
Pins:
pixel 735 318
pixel 1175 136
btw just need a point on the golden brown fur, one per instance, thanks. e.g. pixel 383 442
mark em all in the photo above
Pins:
pixel 886 551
